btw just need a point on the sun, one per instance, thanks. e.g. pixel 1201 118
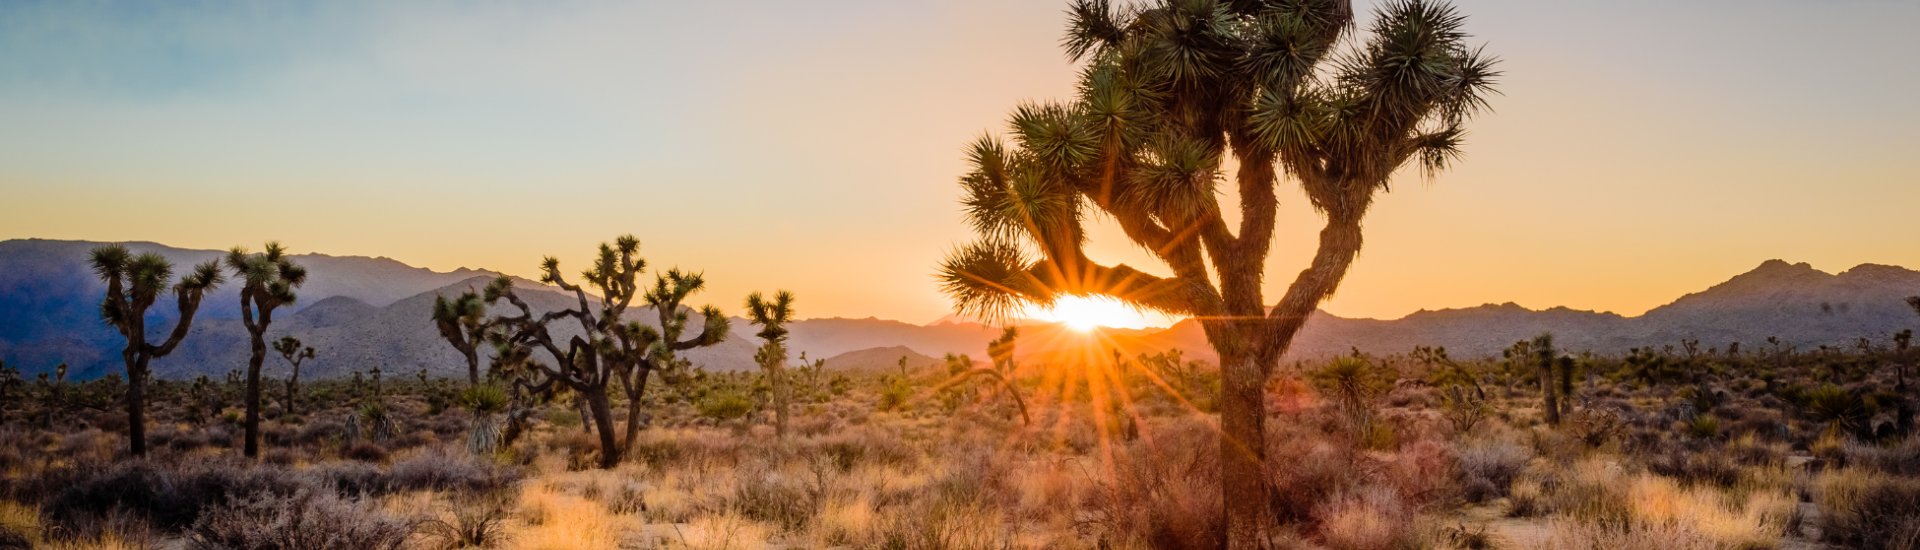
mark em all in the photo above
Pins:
pixel 1084 314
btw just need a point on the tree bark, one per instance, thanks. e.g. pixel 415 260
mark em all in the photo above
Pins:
pixel 1244 375
pixel 603 417
pixel 293 390
pixel 1243 445
pixel 137 404
pixel 633 409
pixel 252 447
pixel 473 364
pixel 781 397
pixel 1549 393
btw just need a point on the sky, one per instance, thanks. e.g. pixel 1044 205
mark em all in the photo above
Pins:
pixel 1641 149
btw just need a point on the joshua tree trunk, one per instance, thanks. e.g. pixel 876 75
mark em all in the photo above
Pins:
pixel 473 365
pixel 1243 447
pixel 252 448
pixel 782 396
pixel 603 417
pixel 293 389
pixel 137 402
pixel 1249 352
pixel 635 391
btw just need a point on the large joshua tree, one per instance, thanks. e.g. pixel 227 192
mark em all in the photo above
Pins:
pixel 772 316
pixel 607 348
pixel 268 280
pixel 464 324
pixel 133 284
pixel 1171 91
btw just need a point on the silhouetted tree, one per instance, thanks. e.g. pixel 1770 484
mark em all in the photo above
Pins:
pixel 1171 89
pixel 772 316
pixel 464 324
pixel 1001 370
pixel 658 351
pixel 608 347
pixel 268 280
pixel 133 284
pixel 1549 388
pixel 295 353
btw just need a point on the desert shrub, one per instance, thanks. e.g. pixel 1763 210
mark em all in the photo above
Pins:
pixel 941 524
pixel 1165 494
pixel 478 524
pixel 318 431
pixel 1704 426
pixel 762 494
pixel 1316 467
pixel 1373 518
pixel 725 405
pixel 366 451
pixel 580 448
pixel 1713 468
pixel 850 450
pixel 1901 459
pixel 280 457
pixel 168 500
pixel 1574 535
pixel 1592 491
pixel 1868 509
pixel 13 540
pixel 442 470
pixel 1527 498
pixel 185 442
pixel 1595 426
pixel 1487 469
pixel 349 478
pixel 1423 471
pixel 304 520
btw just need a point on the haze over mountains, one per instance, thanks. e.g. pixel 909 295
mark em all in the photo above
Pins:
pixel 361 312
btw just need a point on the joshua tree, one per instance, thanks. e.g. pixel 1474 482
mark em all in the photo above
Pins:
pixel 1549 389
pixel 52 394
pixel 268 280
pixel 295 353
pixel 133 284
pixel 1172 88
pixel 608 347
pixel 463 323
pixel 1000 351
pixel 772 316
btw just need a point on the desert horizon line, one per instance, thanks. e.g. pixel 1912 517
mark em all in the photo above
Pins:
pixel 1156 319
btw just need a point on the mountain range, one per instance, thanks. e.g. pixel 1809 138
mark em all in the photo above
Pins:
pixel 362 312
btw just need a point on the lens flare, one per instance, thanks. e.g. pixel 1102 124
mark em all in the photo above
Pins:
pixel 1083 313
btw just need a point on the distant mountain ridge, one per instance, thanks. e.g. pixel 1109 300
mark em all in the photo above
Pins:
pixel 363 312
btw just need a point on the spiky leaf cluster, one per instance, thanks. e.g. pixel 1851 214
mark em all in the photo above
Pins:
pixel 1171 91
